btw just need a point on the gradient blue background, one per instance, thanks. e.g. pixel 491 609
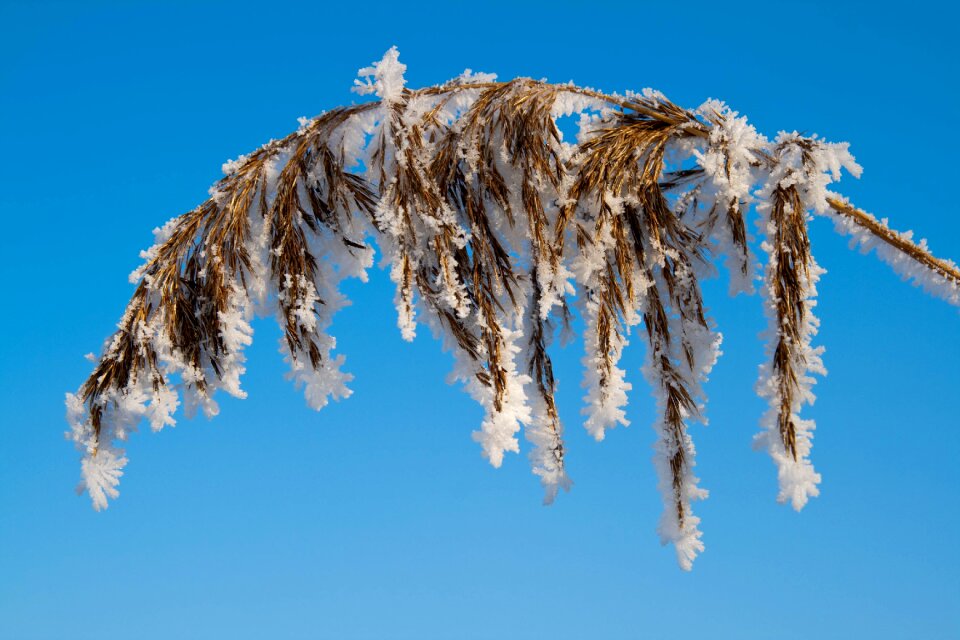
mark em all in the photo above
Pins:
pixel 377 517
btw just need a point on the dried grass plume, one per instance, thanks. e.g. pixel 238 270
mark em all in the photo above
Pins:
pixel 491 222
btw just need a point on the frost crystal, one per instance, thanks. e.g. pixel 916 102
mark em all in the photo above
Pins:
pixel 384 78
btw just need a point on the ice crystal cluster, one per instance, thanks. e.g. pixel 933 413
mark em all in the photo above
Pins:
pixel 496 231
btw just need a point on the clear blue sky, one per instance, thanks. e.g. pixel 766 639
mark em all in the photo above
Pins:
pixel 377 517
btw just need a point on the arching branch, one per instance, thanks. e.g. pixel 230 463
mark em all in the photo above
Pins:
pixel 494 228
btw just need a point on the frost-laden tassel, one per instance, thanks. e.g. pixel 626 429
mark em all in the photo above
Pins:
pixel 101 464
pixel 490 375
pixel 505 402
pixel 394 217
pixel 674 455
pixel 402 274
pixel 316 369
pixel 312 365
pixel 786 382
pixel 674 371
pixel 673 460
pixel 100 467
pixel 544 430
pixel 607 314
pixel 682 350
pixel 393 165
pixel 313 246
pixel 730 162
pixel 605 382
pixel 545 433
pixel 107 416
pixel 500 333
pixel 236 334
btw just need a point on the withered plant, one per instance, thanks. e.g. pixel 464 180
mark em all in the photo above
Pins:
pixel 490 223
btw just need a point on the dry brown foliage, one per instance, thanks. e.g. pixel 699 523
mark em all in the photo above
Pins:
pixel 480 214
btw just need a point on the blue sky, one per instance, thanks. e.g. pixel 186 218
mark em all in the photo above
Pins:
pixel 377 517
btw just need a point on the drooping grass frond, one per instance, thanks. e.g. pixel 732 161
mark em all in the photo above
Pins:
pixel 788 294
pixel 490 223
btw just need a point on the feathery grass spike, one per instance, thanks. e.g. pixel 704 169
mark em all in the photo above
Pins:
pixel 491 222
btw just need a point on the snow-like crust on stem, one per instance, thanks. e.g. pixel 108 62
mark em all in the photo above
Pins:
pixel 934 283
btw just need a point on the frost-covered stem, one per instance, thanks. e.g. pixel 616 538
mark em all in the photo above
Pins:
pixel 939 277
